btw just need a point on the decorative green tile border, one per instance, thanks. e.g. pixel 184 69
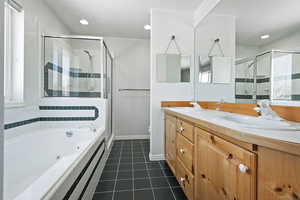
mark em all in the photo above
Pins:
pixel 59 69
pixel 58 93
pixel 244 80
pixel 258 97
pixel 29 121
pixel 240 96
pixel 21 123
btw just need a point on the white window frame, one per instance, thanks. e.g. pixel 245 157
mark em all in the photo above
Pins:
pixel 14 54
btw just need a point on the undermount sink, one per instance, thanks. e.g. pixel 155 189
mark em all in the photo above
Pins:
pixel 259 123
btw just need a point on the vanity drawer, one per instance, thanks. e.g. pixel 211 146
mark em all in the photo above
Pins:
pixel 185 179
pixel 186 129
pixel 185 151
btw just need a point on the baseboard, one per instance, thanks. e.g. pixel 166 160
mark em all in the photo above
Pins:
pixel 132 137
pixel 110 141
pixel 156 157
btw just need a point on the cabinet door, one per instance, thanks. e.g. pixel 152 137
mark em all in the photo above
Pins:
pixel 186 179
pixel 224 171
pixel 278 175
pixel 170 141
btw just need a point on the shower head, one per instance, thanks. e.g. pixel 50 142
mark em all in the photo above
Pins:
pixel 251 64
pixel 88 53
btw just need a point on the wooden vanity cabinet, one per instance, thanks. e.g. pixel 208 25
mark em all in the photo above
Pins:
pixel 223 171
pixel 210 164
pixel 170 141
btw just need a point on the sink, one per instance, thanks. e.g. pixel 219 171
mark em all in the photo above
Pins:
pixel 259 123
pixel 200 113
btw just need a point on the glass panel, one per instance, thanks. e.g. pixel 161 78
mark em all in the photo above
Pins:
pixel 72 67
pixel 286 76
pixel 263 76
pixel 245 82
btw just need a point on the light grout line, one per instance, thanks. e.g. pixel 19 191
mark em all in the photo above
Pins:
pixel 166 177
pixel 148 171
pixel 167 187
pixel 132 169
pixel 113 196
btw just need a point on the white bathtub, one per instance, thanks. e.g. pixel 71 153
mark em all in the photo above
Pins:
pixel 36 162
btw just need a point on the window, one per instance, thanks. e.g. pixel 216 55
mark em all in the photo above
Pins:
pixel 13 53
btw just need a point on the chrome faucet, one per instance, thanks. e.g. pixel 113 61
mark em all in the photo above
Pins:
pixel 196 106
pixel 266 111
pixel 218 107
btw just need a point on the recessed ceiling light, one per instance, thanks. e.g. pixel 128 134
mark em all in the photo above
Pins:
pixel 84 22
pixel 147 27
pixel 264 37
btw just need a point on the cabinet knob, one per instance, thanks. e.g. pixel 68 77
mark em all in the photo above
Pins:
pixel 182 150
pixel 182 179
pixel 181 129
pixel 243 168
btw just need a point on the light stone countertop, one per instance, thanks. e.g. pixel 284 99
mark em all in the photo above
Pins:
pixel 222 119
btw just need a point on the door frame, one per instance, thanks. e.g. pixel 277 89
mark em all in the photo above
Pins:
pixel 1 97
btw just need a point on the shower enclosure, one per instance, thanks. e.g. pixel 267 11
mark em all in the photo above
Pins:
pixel 272 75
pixel 78 66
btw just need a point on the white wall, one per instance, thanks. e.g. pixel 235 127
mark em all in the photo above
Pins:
pixel 131 115
pixel 165 24
pixel 211 28
pixel 1 95
pixel 38 19
pixel 243 51
pixel 203 10
pixel 289 42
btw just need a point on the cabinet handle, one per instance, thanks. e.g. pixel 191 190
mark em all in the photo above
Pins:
pixel 182 179
pixel 212 138
pixel 182 151
pixel 243 168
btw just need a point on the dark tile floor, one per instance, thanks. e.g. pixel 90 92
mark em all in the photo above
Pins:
pixel 129 175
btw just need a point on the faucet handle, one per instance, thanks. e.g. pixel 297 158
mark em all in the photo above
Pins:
pixel 257 109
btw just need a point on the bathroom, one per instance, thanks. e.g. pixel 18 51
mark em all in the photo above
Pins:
pixel 150 99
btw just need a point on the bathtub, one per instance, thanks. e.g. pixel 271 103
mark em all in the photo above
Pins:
pixel 46 164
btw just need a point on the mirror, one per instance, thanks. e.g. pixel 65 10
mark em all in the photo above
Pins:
pixel 267 61
pixel 215 69
pixel 214 50
pixel 173 68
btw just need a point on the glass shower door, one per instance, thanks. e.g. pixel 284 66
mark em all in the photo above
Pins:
pixel 108 93
pixel 72 67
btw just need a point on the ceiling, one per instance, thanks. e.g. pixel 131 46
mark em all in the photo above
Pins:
pixel 277 18
pixel 117 18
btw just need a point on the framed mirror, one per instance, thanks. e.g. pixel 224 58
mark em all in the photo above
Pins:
pixel 173 68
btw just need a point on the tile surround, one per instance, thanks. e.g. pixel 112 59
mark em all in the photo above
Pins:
pixel 70 108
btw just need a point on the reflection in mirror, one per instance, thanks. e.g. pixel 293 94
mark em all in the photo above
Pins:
pixel 205 69
pixel 215 69
pixel 286 76
pixel 173 68
pixel 267 50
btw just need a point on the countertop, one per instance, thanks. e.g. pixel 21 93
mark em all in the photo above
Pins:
pixel 287 140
